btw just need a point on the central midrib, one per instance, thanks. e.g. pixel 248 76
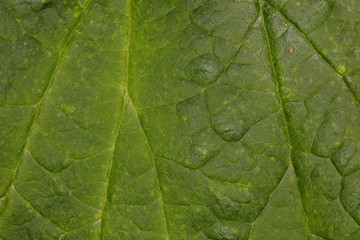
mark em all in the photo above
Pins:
pixel 278 93
pixel 120 121
pixel 325 59
pixel 128 100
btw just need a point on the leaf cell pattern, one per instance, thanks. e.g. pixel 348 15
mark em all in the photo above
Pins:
pixel 180 119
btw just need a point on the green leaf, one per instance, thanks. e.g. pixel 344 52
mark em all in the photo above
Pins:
pixel 180 119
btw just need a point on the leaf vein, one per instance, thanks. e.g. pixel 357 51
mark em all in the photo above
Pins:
pixel 32 207
pixel 38 104
pixel 278 91
pixel 120 121
pixel 155 169
pixel 322 55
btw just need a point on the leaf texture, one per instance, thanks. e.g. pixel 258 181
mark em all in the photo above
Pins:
pixel 180 119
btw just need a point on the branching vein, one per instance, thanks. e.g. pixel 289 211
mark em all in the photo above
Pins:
pixel 38 104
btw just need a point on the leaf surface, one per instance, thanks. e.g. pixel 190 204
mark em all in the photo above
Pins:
pixel 180 119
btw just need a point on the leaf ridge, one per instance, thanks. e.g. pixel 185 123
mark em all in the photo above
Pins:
pixel 38 104
pixel 345 209
pixel 331 65
pixel 318 236
pixel 128 218
pixel 278 91
pixel 235 54
pixel 111 163
pixel 14 189
pixel 19 24
pixel 127 100
pixel 156 172
pixel 13 15
pixel 120 121
pixel 62 180
pixel 267 202
pixel 322 55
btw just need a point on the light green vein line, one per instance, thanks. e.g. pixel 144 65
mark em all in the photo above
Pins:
pixel 276 77
pixel 267 202
pixel 330 64
pixel 317 236
pixel 13 15
pixel 322 55
pixel 38 104
pixel 156 172
pixel 34 209
pixel 226 67
pixel 127 100
pixel 111 163
pixel 120 121
pixel 278 91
